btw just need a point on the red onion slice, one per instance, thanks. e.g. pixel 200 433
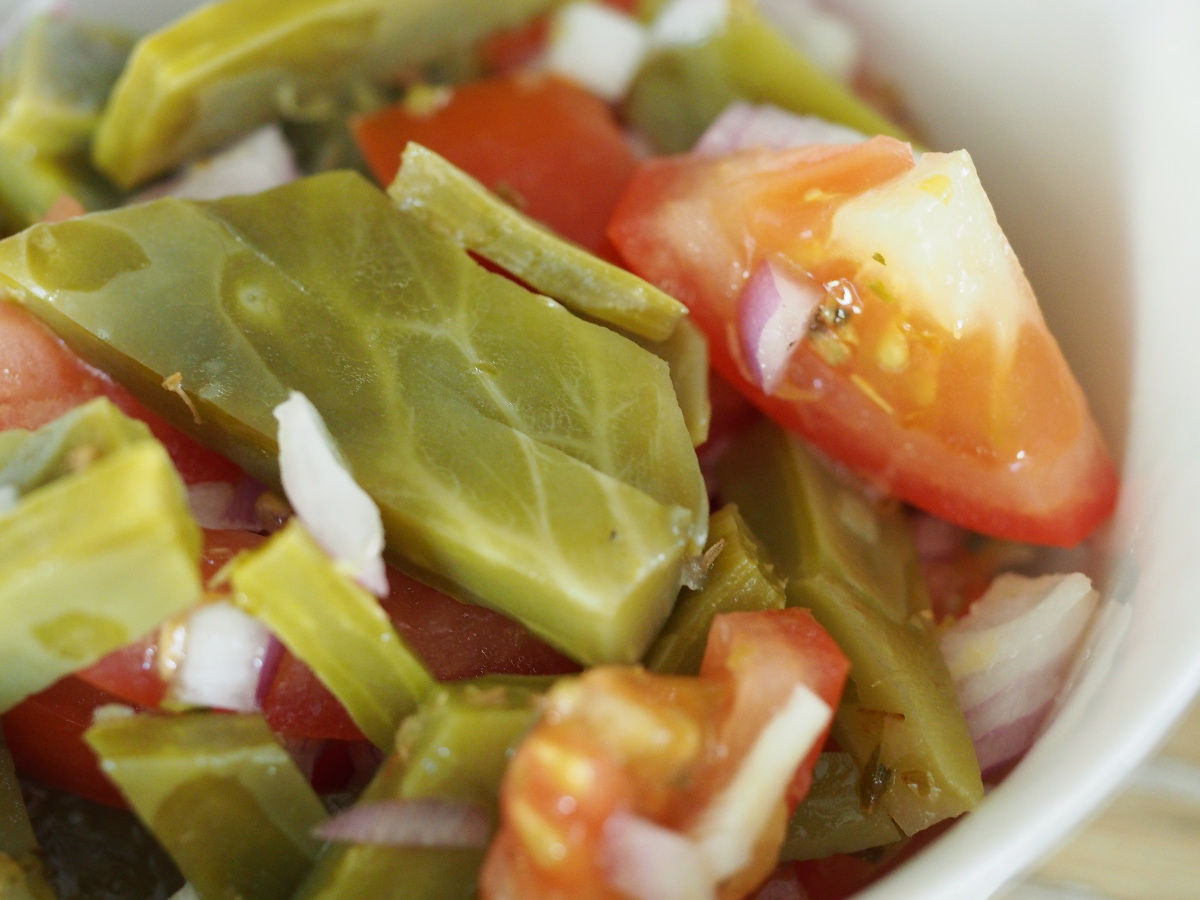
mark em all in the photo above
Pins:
pixel 426 822
pixel 649 862
pixel 258 162
pixel 222 506
pixel 743 126
pixel 1010 655
pixel 338 513
pixel 774 311
pixel 222 661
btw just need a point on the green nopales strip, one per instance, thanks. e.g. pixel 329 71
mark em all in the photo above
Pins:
pixel 520 457
pixel 853 563
pixel 455 748
pixel 335 627
pixel 740 578
pixel 680 90
pixel 21 873
pixel 220 794
pixel 831 817
pixel 450 200
pixel 233 65
pixel 100 548
pixel 54 81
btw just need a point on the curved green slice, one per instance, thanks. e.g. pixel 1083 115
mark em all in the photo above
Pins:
pixel 54 81
pixel 100 548
pixel 455 748
pixel 853 563
pixel 681 89
pixel 521 457
pixel 233 65
pixel 335 627
pixel 448 199
pixel 220 794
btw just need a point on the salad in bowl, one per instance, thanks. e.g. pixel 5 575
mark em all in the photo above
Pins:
pixel 517 450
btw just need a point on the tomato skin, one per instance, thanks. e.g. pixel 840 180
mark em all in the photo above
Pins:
pixel 44 733
pixel 527 137
pixel 1007 449
pixel 41 379
pixel 619 740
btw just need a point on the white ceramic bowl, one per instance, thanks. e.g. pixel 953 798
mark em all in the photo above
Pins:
pixel 1082 118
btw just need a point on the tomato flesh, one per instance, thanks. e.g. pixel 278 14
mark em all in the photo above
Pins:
pixel 982 425
pixel 620 740
pixel 549 147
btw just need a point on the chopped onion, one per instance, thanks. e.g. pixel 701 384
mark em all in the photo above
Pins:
pixel 187 892
pixel 427 822
pixel 219 505
pixel 9 497
pixel 773 315
pixel 742 126
pixel 222 659
pixel 338 513
pixel 684 22
pixel 258 162
pixel 646 861
pixel 1010 655
pixel 597 46
pixel 732 824
pixel 830 43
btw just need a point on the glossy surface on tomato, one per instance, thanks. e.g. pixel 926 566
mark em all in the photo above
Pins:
pixel 620 741
pixel 926 365
pixel 45 735
pixel 41 378
pixel 528 138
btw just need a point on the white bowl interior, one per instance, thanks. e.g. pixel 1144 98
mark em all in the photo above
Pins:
pixel 1081 117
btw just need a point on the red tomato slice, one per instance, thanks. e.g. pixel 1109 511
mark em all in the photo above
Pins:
pixel 41 379
pixel 620 741
pixel 926 365
pixel 555 151
pixel 45 735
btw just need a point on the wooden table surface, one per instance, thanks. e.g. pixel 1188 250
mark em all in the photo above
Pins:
pixel 1145 846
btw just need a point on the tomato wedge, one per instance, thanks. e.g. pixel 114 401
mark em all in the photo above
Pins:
pixel 619 746
pixel 550 148
pixel 924 362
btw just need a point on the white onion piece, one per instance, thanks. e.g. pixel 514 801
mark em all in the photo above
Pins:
pixel 774 311
pixel 222 660
pixel 9 497
pixel 426 822
pixel 258 162
pixel 220 505
pixel 598 47
pixel 1010 655
pixel 732 824
pixel 187 892
pixel 646 861
pixel 742 126
pixel 338 513
pixel 684 22
pixel 827 40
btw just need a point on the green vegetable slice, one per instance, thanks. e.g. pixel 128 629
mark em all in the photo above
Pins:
pixel 335 627
pixel 520 456
pixel 455 748
pixel 94 558
pixel 680 90
pixel 219 793
pixel 852 562
pixel 31 182
pixel 831 818
pixel 233 65
pixel 55 79
pixel 451 201
pixel 740 578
